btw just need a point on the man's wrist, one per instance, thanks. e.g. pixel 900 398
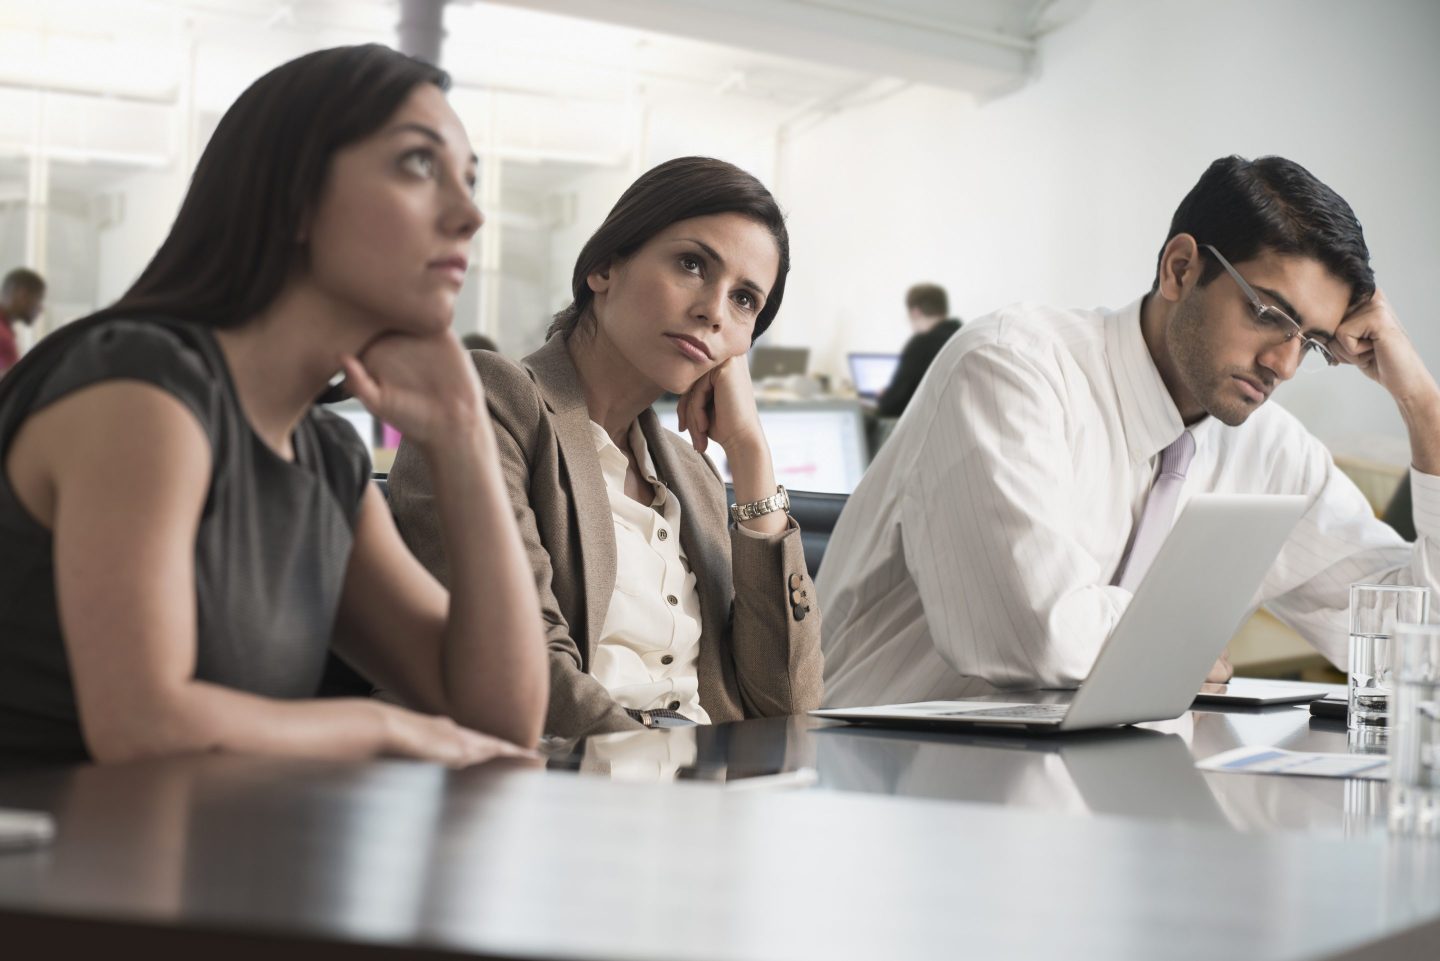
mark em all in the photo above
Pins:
pixel 1422 408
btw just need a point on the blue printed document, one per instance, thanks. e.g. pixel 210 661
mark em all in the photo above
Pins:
pixel 1274 760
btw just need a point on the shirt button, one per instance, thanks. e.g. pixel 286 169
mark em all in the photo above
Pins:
pixel 668 659
pixel 663 534
pixel 671 599
pixel 674 705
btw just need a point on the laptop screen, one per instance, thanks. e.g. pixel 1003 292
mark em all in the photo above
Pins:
pixel 872 373
pixel 778 361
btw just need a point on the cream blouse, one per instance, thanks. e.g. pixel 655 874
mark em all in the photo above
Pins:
pixel 650 644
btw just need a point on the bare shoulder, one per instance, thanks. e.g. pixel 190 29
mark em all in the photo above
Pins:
pixel 114 439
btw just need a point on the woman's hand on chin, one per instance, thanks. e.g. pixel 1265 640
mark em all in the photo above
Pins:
pixel 720 406
pixel 424 386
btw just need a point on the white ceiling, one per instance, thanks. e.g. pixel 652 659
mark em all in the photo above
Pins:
pixel 552 82
pixel 984 47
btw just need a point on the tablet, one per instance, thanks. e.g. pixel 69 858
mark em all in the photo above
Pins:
pixel 1250 692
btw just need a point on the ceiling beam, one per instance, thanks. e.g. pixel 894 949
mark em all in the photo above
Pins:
pixel 885 39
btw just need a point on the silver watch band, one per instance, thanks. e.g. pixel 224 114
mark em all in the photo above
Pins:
pixel 778 501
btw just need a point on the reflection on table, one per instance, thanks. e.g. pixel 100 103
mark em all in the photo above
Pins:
pixel 1147 771
pixel 1102 846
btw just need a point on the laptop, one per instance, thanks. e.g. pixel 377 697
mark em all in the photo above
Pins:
pixel 872 373
pixel 766 362
pixel 1184 612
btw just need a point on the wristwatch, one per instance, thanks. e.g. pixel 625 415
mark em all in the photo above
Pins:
pixel 778 501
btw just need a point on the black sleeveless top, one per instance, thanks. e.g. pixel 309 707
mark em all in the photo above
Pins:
pixel 270 555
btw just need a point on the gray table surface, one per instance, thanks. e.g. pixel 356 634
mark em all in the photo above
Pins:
pixel 907 845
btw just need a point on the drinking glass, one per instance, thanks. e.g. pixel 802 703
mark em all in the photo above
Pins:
pixel 1415 731
pixel 1375 612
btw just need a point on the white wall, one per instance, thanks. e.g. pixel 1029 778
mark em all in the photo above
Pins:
pixel 150 201
pixel 1063 191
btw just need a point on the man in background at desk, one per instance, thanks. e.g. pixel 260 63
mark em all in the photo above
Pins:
pixel 1002 529
pixel 928 306
pixel 22 294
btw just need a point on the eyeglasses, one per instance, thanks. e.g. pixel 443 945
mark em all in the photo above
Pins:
pixel 1273 321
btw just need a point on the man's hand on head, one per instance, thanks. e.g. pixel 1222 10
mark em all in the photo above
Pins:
pixel 1372 339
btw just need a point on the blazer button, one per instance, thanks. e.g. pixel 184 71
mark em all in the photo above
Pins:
pixel 668 659
pixel 663 534
pixel 671 599
pixel 674 705
pixel 800 611
pixel 799 597
pixel 795 582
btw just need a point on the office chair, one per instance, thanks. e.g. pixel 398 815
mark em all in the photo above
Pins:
pixel 1399 513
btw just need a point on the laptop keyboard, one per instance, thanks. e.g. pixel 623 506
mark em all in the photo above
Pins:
pixel 1053 712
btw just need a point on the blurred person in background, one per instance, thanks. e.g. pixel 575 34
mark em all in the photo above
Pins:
pixel 22 297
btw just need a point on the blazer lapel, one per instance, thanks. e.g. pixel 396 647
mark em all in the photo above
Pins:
pixel 554 373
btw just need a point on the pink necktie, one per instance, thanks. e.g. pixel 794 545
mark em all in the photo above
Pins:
pixel 1158 515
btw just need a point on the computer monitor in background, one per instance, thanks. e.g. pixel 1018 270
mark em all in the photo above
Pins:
pixel 778 362
pixel 872 373
pixel 361 419
pixel 817 446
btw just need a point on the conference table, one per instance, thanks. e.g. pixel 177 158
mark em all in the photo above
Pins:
pixel 779 839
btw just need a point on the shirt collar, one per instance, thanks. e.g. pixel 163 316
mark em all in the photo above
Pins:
pixel 1147 412
pixel 613 462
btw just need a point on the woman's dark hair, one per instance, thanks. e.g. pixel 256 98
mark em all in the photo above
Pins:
pixel 1242 207
pixel 235 240
pixel 676 190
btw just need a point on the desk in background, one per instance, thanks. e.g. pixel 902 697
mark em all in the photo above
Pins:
pixel 818 445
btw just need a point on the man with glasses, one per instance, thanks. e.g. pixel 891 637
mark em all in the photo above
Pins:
pixel 1002 529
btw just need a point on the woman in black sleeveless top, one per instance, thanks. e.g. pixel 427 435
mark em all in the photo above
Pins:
pixel 183 536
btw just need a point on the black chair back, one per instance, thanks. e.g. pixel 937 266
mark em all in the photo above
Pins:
pixel 1400 512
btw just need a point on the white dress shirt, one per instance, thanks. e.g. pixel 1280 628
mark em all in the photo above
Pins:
pixel 978 549
pixel 650 644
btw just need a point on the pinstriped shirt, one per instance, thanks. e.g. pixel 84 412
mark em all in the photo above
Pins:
pixel 977 552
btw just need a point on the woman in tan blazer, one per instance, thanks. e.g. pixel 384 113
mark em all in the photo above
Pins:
pixel 644 629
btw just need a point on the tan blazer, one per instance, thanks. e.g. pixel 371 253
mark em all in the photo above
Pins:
pixel 759 646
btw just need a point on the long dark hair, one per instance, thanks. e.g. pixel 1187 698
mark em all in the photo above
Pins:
pixel 235 241
pixel 676 190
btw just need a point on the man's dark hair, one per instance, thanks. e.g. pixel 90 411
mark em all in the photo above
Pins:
pixel 23 278
pixel 676 190
pixel 1242 207
pixel 929 299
